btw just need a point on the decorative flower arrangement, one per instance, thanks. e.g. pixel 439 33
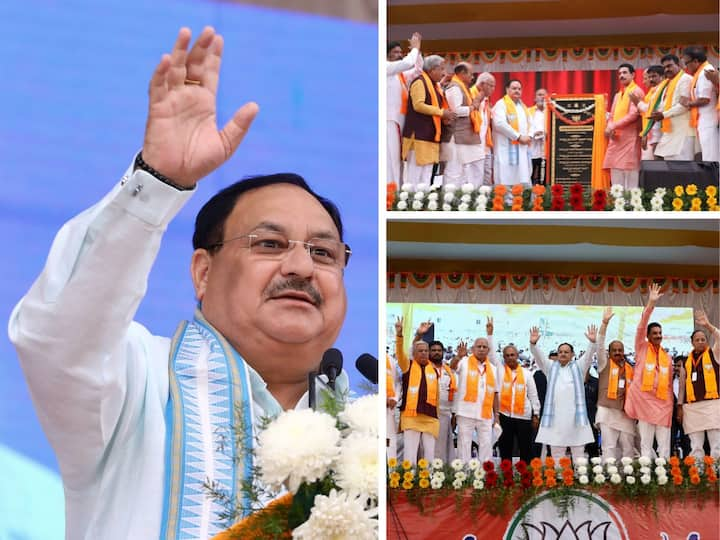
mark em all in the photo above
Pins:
pixel 641 479
pixel 327 461
pixel 575 197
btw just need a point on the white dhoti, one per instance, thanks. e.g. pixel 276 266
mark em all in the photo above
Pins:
pixel 617 431
pixel 627 178
pixel 709 139
pixel 417 174
pixel 465 427
pixel 394 144
pixel 700 417
pixel 444 445
pixel 391 434
pixel 463 163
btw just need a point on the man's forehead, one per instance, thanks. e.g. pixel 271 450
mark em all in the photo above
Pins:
pixel 480 341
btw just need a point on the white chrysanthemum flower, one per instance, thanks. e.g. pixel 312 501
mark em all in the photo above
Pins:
pixel 485 190
pixel 456 464
pixel 615 479
pixel 417 205
pixel 630 479
pixel 660 192
pixel 597 469
pixel 438 475
pixel 481 203
pixel 463 207
pixel 422 186
pixel 286 453
pixel 619 205
pixel 644 461
pixel 596 460
pixel 583 479
pixel 467 187
pixel 612 469
pixel 644 470
pixel 452 188
pixel 339 516
pixel 660 471
pixel 478 484
pixel 636 203
pixel 635 192
pixel 408 187
pixel 628 469
pixel 419 196
pixel 660 462
pixel 403 196
pixel 433 196
pixel 617 190
pixel 460 475
pixel 626 460
pixel 356 467
pixel 361 414
pixel 448 197
pixel 402 205
pixel 581 461
pixel 599 478
pixel 447 207
pixel 437 463
pixel 473 464
pixel 457 484
pixel 432 205
pixel 435 483
pixel 610 461
pixel 466 199
pixel 662 480
pixel 479 474
pixel 582 469
pixel 645 479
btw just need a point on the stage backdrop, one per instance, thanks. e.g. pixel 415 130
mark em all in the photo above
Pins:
pixel 73 111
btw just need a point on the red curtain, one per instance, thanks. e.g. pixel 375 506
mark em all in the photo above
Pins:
pixel 562 82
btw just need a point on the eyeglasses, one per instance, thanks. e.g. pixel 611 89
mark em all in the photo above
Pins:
pixel 324 252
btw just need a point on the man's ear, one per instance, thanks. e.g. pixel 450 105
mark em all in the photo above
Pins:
pixel 199 269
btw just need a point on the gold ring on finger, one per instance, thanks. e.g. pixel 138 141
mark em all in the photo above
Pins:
pixel 192 81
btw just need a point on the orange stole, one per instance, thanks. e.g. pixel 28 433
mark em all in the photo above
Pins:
pixel 389 378
pixel 404 95
pixel 471 384
pixel 512 114
pixel 474 92
pixel 475 117
pixel 648 377
pixel 711 390
pixel 666 126
pixel 694 111
pixel 437 120
pixel 431 380
pixel 453 382
pixel 506 393
pixel 614 377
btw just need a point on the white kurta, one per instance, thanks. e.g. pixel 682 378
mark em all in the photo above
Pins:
pixel 473 409
pixel 99 381
pixel 459 153
pixel 707 128
pixel 537 146
pixel 506 172
pixel 563 431
pixel 614 418
pixel 679 142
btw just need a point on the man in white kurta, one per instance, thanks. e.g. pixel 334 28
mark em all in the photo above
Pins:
pixel 469 414
pixel 677 141
pixel 483 89
pixel 564 422
pixel 100 382
pixel 702 103
pixel 444 447
pixel 400 73
pixel 511 137
pixel 538 118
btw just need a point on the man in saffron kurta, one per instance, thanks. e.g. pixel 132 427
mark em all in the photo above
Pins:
pixel 400 73
pixel 476 403
pixel 623 150
pixel 614 376
pixel 511 137
pixel 420 394
pixel 649 399
pixel 700 403
pixel 426 111
pixel 703 102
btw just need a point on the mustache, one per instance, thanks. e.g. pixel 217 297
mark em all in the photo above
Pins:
pixel 295 284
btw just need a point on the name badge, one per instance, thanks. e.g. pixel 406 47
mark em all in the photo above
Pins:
pixel 621 383
pixel 694 376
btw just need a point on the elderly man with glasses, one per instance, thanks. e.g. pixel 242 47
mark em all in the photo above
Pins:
pixel 135 418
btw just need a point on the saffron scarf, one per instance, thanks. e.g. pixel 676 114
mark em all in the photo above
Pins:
pixel 513 380
pixel 471 384
pixel 614 377
pixel 669 94
pixel 694 111
pixel 204 369
pixel 431 381
pixel 652 98
pixel 623 103
pixel 389 378
pixel 435 91
pixel 474 92
pixel 512 114
pixel 711 390
pixel 581 417
pixel 403 93
pixel 453 382
pixel 662 360
pixel 475 117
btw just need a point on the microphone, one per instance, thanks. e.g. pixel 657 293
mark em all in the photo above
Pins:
pixel 331 365
pixel 367 365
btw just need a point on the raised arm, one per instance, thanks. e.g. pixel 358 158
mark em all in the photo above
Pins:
pixel 538 355
pixel 410 61
pixel 586 359
pixel 460 353
pixel 714 333
pixel 654 295
pixel 602 350
pixel 402 357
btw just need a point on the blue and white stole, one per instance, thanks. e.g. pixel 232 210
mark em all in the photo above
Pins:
pixel 581 418
pixel 209 386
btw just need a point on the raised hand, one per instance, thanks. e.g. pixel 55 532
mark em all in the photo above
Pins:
pixel 701 319
pixel 182 141
pixel 398 326
pixel 607 315
pixel 415 40
pixel 489 327
pixel 591 333
pixel 423 328
pixel 461 350
pixel 655 293
pixel 534 335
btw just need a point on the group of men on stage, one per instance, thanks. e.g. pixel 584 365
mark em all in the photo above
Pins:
pixel 486 399
pixel 438 118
